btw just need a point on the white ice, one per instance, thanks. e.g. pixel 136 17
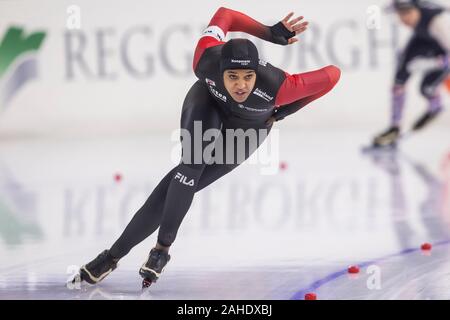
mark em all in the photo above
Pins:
pixel 247 236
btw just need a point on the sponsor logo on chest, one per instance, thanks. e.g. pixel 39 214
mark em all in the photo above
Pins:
pixel 263 95
pixel 217 94
pixel 241 106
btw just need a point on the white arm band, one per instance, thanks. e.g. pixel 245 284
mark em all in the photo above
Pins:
pixel 215 32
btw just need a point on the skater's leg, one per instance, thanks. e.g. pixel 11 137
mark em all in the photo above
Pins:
pixel 398 94
pixel 214 171
pixel 390 136
pixel 182 186
pixel 184 190
pixel 398 105
pixel 200 116
pixel 149 216
pixel 430 90
pixel 145 221
pixel 211 173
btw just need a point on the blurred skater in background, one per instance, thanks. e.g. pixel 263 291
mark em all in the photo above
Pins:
pixel 428 49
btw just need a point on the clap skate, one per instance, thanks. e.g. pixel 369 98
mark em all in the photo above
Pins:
pixel 153 267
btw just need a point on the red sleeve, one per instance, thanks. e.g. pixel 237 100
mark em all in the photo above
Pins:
pixel 301 85
pixel 299 90
pixel 224 21
pixel 203 44
pixel 230 21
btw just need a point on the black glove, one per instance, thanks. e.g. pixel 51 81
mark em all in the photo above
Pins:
pixel 278 116
pixel 281 34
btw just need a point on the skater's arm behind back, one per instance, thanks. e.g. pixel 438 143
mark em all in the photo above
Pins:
pixel 440 30
pixel 227 20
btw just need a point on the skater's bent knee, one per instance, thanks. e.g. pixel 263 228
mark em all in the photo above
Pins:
pixel 398 89
pixel 191 168
pixel 188 174
pixel 428 92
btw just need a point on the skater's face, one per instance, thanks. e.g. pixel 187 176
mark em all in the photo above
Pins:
pixel 239 83
pixel 409 17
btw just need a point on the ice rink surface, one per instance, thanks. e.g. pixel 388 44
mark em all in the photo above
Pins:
pixel 247 236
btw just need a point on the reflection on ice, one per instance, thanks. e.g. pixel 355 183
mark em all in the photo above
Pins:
pixel 332 207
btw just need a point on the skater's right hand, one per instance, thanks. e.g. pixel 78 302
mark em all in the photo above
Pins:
pixel 286 30
pixel 296 25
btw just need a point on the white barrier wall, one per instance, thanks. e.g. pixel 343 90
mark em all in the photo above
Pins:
pixel 128 68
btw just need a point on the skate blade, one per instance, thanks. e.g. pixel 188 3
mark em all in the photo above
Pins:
pixel 146 283
pixel 74 282
pixel 378 148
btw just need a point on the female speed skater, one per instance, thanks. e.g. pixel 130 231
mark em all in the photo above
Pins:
pixel 429 46
pixel 235 90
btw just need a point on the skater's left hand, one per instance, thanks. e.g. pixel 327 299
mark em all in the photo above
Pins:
pixel 295 25
pixel 270 121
